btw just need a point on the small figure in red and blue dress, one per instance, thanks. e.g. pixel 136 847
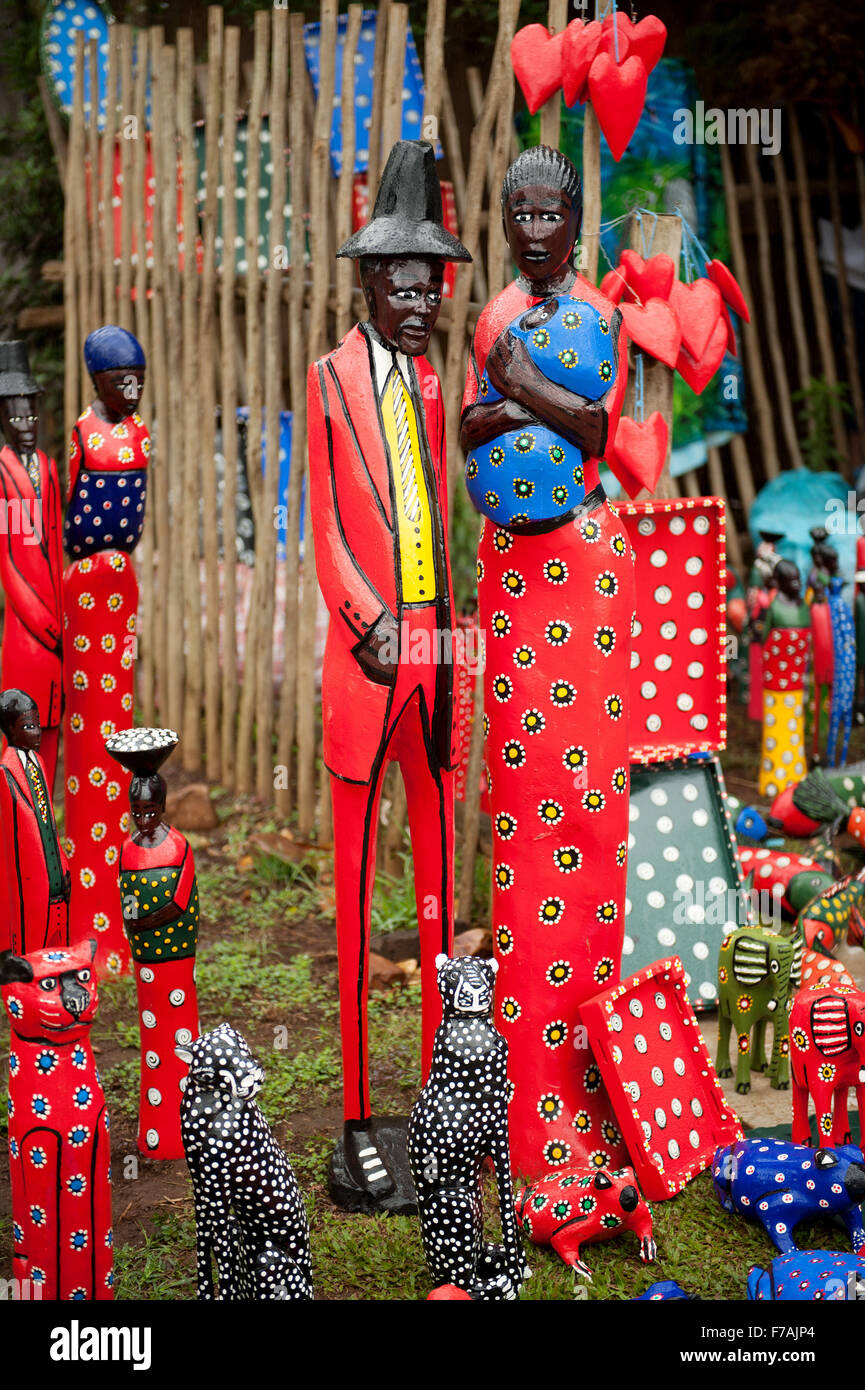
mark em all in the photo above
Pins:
pixel 159 895
pixel 108 457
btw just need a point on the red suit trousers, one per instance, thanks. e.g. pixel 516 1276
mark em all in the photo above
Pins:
pixel 407 739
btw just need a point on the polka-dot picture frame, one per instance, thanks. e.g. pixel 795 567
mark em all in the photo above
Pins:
pixel 656 1068
pixel 412 92
pixel 685 886
pixel 678 674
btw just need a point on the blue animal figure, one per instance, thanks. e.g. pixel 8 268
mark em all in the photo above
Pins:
pixel 808 1275
pixel 780 1184
pixel 844 671
pixel 532 475
pixel 663 1292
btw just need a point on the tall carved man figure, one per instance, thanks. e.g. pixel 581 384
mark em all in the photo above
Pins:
pixel 31 555
pixel 379 509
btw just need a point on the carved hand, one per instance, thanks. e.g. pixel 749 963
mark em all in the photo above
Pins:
pixel 377 654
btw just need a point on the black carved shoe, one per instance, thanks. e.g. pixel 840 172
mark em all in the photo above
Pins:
pixel 364 1159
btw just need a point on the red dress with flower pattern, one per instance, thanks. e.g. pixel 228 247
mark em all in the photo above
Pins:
pixel 557 610
pixel 104 520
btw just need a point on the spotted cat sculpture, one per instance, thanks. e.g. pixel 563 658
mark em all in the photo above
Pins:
pixel 458 1121
pixel 249 1212
pixel 780 1184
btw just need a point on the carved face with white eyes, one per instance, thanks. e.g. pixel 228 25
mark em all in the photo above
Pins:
pixel 404 297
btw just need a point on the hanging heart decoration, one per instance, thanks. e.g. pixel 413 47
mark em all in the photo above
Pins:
pixel 578 49
pixel 729 287
pixel 616 44
pixel 646 40
pixel 698 373
pixel 536 57
pixel 655 328
pixel 649 279
pixel 618 94
pixel 613 285
pixel 639 451
pixel 731 332
pixel 698 306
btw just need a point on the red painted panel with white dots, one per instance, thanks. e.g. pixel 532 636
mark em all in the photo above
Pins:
pixel 678 678
pixel 659 1077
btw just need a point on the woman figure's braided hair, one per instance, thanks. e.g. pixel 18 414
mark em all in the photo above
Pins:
pixel 547 168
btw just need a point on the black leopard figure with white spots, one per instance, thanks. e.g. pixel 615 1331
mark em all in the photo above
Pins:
pixel 458 1121
pixel 249 1213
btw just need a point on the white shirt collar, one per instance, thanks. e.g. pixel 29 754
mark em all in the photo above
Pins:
pixel 384 358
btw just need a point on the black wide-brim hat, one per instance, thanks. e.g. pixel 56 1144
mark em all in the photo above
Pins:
pixel 407 217
pixel 141 751
pixel 15 378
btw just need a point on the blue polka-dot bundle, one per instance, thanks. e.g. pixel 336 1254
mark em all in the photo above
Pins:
pixel 780 1184
pixel 807 1276
pixel 534 474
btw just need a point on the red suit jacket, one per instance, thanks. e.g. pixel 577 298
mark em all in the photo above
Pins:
pixel 28 923
pixel 31 568
pixel 356 546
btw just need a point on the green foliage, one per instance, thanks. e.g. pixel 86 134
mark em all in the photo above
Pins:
pixel 816 405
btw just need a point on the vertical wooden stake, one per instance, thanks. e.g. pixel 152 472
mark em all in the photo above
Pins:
pixel 590 239
pixel 228 399
pixel 551 111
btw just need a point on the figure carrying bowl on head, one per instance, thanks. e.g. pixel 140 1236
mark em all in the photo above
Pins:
pixel 159 896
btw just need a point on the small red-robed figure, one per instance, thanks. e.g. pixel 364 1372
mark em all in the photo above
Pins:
pixel 31 555
pixel 59 1151
pixel 161 916
pixel 34 873
pixel 379 509
pixel 108 457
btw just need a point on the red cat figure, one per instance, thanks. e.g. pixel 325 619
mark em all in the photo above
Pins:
pixel 58 1126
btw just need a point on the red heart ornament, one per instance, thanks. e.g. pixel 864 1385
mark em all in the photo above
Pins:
pixel 618 94
pixel 638 452
pixel 647 40
pixel 536 58
pixel 610 39
pixel 651 279
pixel 698 305
pixel 655 328
pixel 579 48
pixel 731 332
pixel 729 287
pixel 613 285
pixel 698 374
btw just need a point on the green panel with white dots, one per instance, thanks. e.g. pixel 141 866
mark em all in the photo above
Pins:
pixel 685 887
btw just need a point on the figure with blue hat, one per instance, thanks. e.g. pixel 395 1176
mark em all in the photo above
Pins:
pixel 108 457
pixel 31 553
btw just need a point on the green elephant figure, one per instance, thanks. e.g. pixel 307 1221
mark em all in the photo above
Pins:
pixel 758 973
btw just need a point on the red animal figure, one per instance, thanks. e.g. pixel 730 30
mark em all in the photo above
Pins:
pixel 58 1126
pixel 567 1210
pixel 827 1031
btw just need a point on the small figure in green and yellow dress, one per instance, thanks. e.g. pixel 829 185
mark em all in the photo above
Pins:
pixel 159 896
pixel 785 658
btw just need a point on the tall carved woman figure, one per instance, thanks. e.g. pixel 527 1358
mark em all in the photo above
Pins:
pixel 556 591
pixel 108 457
pixel 159 894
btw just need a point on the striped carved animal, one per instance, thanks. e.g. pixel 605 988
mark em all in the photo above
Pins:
pixel 827 1029
pixel 757 969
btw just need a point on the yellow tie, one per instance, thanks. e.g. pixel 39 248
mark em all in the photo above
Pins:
pixel 414 518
